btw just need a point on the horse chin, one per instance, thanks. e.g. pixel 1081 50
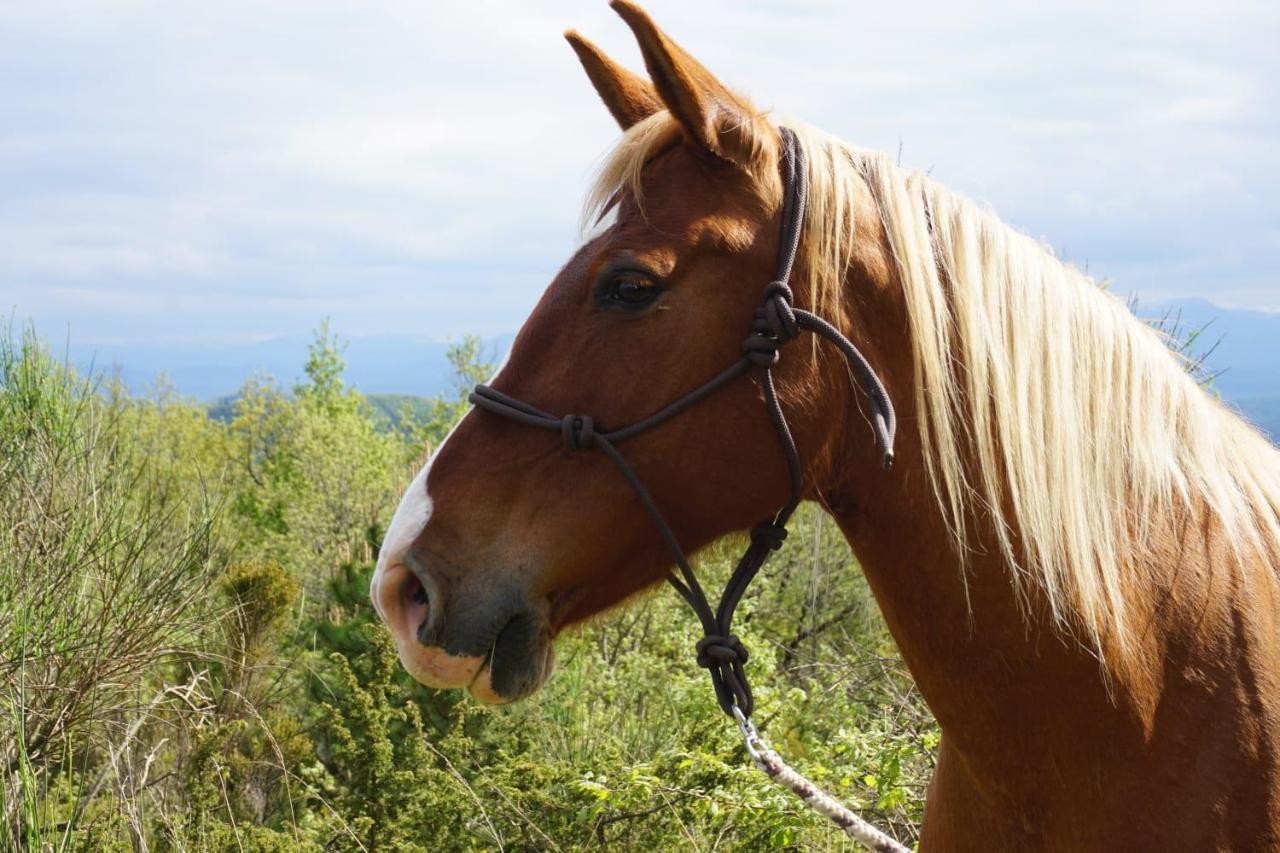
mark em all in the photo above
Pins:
pixel 435 668
pixel 516 666
pixel 519 664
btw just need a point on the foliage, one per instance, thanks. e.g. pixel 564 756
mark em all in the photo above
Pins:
pixel 320 473
pixel 430 427
pixel 106 548
pixel 188 658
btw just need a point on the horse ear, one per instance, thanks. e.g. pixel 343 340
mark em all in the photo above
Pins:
pixel 712 116
pixel 629 97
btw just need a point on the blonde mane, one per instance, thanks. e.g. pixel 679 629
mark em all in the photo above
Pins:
pixel 1083 428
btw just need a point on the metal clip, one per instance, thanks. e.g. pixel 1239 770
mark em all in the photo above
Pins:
pixel 750 736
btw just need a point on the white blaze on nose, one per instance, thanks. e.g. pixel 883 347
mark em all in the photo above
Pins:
pixel 410 519
pixel 408 523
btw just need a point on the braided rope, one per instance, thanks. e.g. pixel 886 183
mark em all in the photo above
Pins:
pixel 766 759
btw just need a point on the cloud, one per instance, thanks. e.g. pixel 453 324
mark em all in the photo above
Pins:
pixel 243 169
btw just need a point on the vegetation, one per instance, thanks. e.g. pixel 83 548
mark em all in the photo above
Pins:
pixel 188 658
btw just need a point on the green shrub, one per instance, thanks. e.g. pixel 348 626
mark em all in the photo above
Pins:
pixel 190 661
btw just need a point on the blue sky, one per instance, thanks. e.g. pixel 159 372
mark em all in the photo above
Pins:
pixel 181 172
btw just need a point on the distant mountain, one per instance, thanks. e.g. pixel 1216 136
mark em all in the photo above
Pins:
pixel 375 365
pixel 1247 356
pixel 1243 354
pixel 1246 360
pixel 1263 412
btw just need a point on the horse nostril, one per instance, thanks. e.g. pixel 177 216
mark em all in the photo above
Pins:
pixel 429 627
pixel 419 604
pixel 428 631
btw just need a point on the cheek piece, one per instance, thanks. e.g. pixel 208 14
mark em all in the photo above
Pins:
pixel 776 322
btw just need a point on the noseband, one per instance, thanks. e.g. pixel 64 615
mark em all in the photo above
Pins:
pixel 776 322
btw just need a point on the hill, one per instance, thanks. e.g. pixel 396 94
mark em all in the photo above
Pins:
pixel 376 365
pixel 1245 342
pixel 390 369
pixel 387 407
pixel 1243 354
pixel 1264 412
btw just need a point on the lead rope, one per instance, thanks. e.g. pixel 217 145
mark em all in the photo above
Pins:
pixel 763 756
pixel 720 651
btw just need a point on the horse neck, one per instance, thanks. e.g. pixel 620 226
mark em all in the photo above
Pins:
pixel 1036 727
pixel 1006 682
pixel 997 673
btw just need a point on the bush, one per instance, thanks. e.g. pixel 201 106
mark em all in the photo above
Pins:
pixel 105 556
pixel 190 662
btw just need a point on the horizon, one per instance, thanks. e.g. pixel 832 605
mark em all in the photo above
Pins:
pixel 1242 346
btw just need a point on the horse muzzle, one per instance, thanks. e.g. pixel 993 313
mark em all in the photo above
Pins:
pixel 491 640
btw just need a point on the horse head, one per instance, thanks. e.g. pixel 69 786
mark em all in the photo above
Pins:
pixel 510 534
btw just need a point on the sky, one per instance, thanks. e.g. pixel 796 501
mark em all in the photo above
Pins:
pixel 178 172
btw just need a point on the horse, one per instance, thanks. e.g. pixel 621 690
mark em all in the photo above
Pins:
pixel 1075 551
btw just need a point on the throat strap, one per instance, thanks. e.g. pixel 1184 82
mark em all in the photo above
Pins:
pixel 777 321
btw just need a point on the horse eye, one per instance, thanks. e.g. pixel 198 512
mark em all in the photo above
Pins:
pixel 632 290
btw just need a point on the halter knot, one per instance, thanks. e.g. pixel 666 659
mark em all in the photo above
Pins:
pixel 773 324
pixel 761 349
pixel 776 311
pixel 772 534
pixel 779 288
pixel 578 432
pixel 715 651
